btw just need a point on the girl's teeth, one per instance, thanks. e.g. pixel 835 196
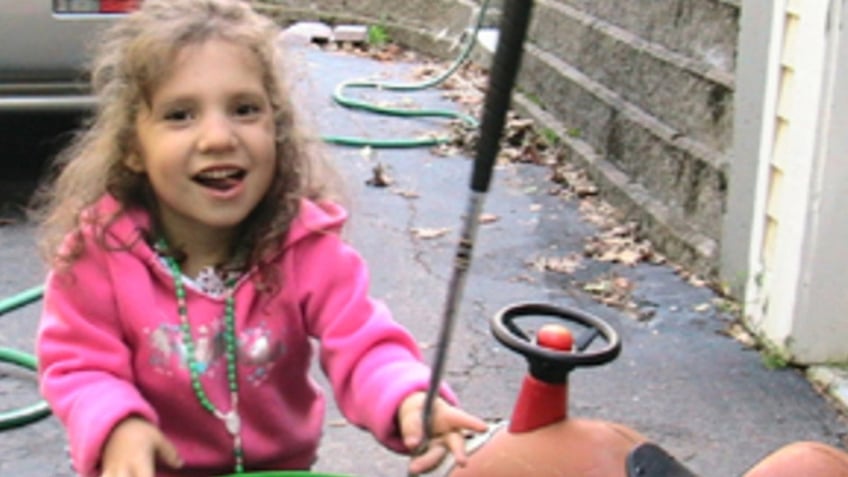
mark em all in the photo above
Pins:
pixel 220 179
pixel 216 174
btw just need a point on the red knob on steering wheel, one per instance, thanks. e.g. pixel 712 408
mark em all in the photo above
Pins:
pixel 550 364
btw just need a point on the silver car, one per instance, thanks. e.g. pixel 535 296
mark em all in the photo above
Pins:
pixel 44 46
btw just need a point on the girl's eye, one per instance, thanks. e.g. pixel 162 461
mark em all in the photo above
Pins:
pixel 178 115
pixel 247 109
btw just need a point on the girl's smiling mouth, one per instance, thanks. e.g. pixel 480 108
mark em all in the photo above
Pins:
pixel 221 179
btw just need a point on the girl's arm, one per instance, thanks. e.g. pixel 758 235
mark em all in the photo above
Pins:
pixel 85 364
pixel 372 362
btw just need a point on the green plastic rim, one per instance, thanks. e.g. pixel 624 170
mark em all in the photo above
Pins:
pixel 284 473
pixel 28 414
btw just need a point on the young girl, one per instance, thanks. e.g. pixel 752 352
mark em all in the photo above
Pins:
pixel 194 252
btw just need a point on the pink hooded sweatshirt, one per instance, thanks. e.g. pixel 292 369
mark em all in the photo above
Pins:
pixel 109 347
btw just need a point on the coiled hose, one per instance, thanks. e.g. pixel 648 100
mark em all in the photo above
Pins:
pixel 353 103
pixel 21 416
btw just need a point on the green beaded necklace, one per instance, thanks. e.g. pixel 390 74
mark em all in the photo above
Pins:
pixel 231 419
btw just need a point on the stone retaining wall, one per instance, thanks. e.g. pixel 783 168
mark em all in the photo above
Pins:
pixel 640 92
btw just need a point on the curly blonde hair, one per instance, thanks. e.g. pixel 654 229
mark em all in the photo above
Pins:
pixel 130 61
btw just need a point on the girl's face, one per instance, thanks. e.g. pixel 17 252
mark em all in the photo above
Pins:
pixel 206 140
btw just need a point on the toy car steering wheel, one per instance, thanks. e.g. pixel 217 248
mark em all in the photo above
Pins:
pixel 555 364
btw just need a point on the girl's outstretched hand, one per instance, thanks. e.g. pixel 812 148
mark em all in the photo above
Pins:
pixel 133 448
pixel 449 424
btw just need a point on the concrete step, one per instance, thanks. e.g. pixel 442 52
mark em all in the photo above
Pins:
pixel 451 16
pixel 303 32
pixel 429 26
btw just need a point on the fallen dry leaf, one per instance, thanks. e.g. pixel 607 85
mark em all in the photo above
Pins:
pixel 407 194
pixel 629 256
pixel 523 279
pixel 619 244
pixel 388 52
pixel 597 287
pixel 379 177
pixel 488 218
pixel 567 265
pixel 406 103
pixel 622 283
pixel 429 233
pixel 740 334
pixel 615 291
pixel 576 181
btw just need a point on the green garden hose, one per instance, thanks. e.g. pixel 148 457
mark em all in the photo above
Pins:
pixel 28 414
pixel 21 416
pixel 21 299
pixel 353 103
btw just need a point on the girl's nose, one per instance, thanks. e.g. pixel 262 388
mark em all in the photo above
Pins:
pixel 216 134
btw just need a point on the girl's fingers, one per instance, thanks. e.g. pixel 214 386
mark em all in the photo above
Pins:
pixel 168 454
pixel 456 445
pixel 140 469
pixel 436 451
pixel 449 426
pixel 413 433
pixel 429 459
pixel 455 419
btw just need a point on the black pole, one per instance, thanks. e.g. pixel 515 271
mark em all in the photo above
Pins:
pixel 515 19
